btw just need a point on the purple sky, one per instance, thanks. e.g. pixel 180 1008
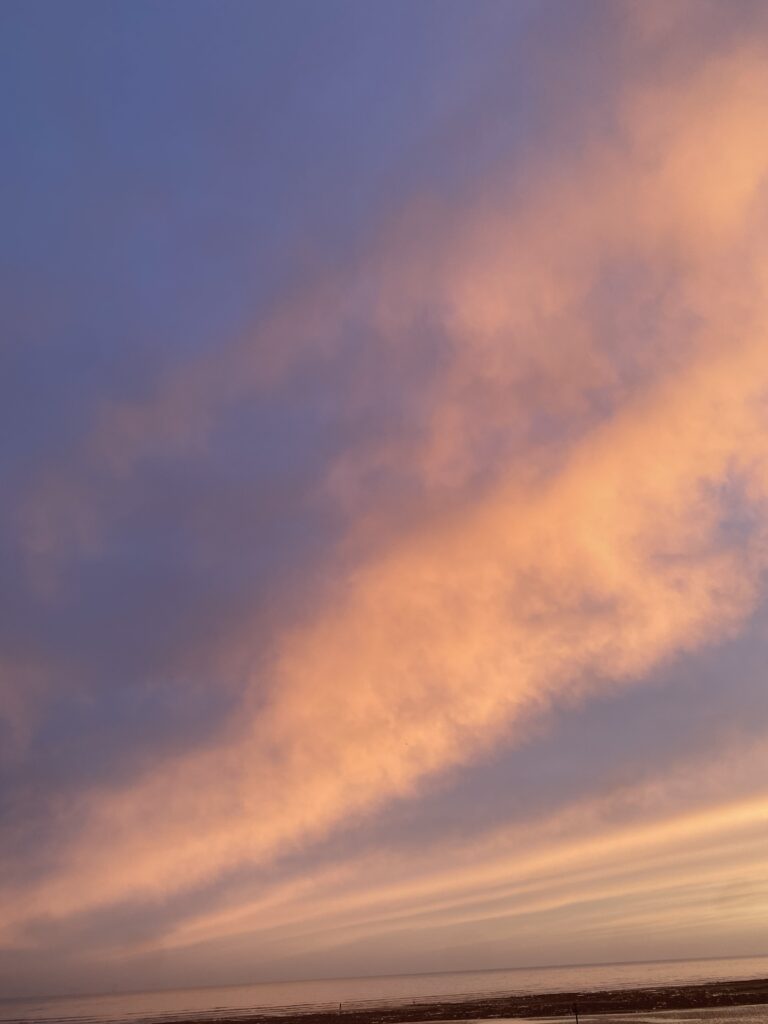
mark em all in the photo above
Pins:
pixel 383 445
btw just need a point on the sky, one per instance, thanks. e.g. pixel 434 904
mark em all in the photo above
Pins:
pixel 384 460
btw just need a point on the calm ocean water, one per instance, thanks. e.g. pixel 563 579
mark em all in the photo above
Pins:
pixel 302 996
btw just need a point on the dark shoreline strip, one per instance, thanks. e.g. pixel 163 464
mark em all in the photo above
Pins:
pixel 555 1004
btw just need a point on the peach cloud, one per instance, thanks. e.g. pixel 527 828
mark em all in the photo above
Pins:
pixel 594 549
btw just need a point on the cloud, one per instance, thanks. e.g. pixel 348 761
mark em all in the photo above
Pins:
pixel 609 866
pixel 561 489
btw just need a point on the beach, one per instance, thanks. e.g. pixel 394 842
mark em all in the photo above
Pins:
pixel 703 990
pixel 605 1004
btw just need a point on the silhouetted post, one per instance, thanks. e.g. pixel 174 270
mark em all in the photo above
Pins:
pixel 576 1012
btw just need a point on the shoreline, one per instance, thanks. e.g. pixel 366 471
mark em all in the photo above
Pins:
pixel 550 1004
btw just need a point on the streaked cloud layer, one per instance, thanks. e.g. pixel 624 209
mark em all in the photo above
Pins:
pixel 384 586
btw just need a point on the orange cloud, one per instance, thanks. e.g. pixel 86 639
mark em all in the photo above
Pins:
pixel 575 565
pixel 582 855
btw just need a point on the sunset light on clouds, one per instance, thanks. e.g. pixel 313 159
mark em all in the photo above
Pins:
pixel 385 460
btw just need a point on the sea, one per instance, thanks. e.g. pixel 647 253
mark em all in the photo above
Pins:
pixel 346 994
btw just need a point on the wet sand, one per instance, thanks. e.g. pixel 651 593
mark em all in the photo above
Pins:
pixel 546 1005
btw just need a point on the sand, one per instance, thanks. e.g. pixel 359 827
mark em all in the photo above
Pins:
pixel 557 1004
